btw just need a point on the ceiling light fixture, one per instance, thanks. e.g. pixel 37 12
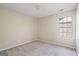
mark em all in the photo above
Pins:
pixel 37 7
pixel 61 9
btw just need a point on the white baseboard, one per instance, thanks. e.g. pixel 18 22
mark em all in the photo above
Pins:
pixel 77 51
pixel 16 45
pixel 59 44
pixel 37 40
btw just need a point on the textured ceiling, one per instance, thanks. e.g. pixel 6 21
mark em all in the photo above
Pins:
pixel 40 9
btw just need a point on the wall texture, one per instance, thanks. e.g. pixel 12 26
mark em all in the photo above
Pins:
pixel 48 29
pixel 16 28
pixel 77 30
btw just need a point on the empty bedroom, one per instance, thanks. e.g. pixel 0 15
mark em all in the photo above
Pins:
pixel 39 29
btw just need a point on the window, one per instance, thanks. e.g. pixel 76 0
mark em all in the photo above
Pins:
pixel 65 28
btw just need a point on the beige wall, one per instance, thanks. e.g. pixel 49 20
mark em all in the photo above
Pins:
pixel 48 29
pixel 77 30
pixel 16 28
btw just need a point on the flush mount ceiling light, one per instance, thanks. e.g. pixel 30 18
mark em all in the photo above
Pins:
pixel 37 7
pixel 61 9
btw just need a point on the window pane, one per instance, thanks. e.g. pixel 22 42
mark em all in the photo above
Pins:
pixel 62 20
pixel 65 28
pixel 64 35
pixel 69 19
pixel 66 19
pixel 69 25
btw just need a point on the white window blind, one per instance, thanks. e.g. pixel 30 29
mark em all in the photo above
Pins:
pixel 65 28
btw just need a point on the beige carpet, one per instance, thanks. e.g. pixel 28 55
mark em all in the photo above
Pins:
pixel 38 48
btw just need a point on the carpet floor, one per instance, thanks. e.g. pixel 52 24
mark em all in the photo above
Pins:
pixel 38 48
